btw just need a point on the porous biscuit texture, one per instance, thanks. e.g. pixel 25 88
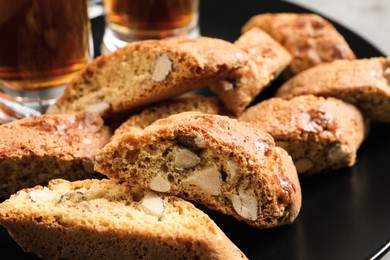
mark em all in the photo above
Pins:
pixel 310 38
pixel 267 60
pixel 362 82
pixel 321 134
pixel 149 71
pixel 104 219
pixel 211 159
pixel 35 150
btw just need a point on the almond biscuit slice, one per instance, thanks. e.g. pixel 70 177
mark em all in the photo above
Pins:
pixel 149 71
pixel 321 134
pixel 37 149
pixel 362 82
pixel 211 159
pixel 310 38
pixel 267 60
pixel 104 219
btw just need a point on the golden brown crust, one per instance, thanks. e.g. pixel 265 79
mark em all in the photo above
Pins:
pixel 215 160
pixel 34 150
pixel 362 82
pixel 137 122
pixel 309 38
pixel 320 134
pixel 267 60
pixel 148 71
pixel 103 219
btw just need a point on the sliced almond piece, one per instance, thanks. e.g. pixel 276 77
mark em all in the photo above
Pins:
pixel 231 168
pixel 162 68
pixel 40 196
pixel 74 196
pixel 160 184
pixel 208 179
pixel 200 142
pixel 100 107
pixel 153 205
pixel 245 205
pixel 185 159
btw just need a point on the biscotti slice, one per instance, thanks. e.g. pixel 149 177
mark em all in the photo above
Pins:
pixel 267 60
pixel 137 122
pixel 148 71
pixel 103 219
pixel 310 38
pixel 362 82
pixel 37 149
pixel 211 159
pixel 321 134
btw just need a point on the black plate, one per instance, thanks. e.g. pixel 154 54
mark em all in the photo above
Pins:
pixel 345 214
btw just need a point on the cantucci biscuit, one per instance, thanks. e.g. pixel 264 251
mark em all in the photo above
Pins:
pixel 148 71
pixel 37 149
pixel 321 134
pixel 362 82
pixel 310 38
pixel 267 60
pixel 103 219
pixel 212 159
pixel 137 122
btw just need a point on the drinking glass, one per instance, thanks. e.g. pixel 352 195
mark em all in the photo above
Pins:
pixel 133 20
pixel 44 43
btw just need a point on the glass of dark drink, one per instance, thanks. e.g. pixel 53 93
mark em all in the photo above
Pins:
pixel 134 20
pixel 44 43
